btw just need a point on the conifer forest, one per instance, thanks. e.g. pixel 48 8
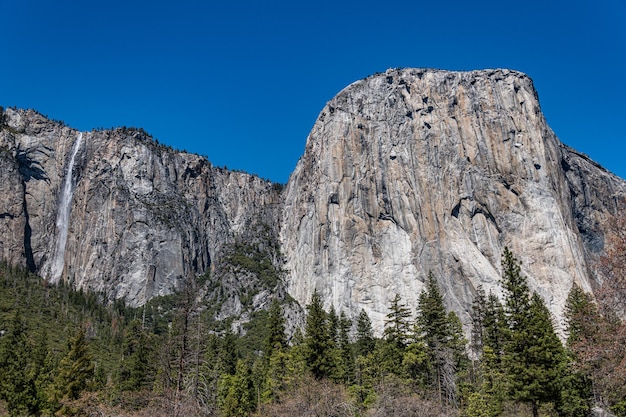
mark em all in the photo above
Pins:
pixel 64 352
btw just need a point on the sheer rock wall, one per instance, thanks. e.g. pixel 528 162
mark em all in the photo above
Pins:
pixel 417 171
pixel 404 173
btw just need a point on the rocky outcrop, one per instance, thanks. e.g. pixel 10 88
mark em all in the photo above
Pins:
pixel 415 170
pixel 142 218
pixel 404 172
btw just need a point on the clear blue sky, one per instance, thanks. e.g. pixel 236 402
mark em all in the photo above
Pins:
pixel 243 82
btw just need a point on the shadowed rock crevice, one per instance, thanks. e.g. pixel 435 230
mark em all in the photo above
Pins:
pixel 28 233
pixel 30 169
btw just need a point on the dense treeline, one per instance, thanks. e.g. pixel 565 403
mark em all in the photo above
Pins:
pixel 63 352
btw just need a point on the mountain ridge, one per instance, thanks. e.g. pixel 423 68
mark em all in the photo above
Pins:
pixel 145 218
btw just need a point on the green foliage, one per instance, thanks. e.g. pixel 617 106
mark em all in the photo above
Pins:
pixel 492 383
pixel 533 355
pixel 595 347
pixel 495 328
pixel 441 333
pixel 19 370
pixel 517 292
pixel 581 315
pixel 432 319
pixel 236 392
pixel 275 337
pixel 364 335
pixel 417 363
pixel 575 396
pixel 344 363
pixel 397 324
pixel 75 369
pixel 137 356
pixel 317 339
pixel 175 350
pixel 256 261
pixel 534 358
pixel 276 374
pixel 479 405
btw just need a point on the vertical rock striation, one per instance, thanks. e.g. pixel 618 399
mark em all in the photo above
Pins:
pixel 404 172
pixel 420 170
pixel 142 217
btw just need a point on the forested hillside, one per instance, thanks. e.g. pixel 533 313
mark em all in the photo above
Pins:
pixel 63 352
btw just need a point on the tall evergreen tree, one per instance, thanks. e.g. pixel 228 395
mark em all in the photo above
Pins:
pixel 237 397
pixel 397 324
pixel 533 353
pixel 364 334
pixel 43 371
pixel 276 330
pixel 581 316
pixel 432 319
pixel 488 336
pixel 276 374
pixel 18 370
pixel 517 292
pixel 582 321
pixel 390 353
pixel 317 339
pixel 434 326
pixel 495 327
pixel 228 356
pixel 479 305
pixel 345 360
pixel 457 342
pixel 136 355
pixel 75 369
pixel 333 324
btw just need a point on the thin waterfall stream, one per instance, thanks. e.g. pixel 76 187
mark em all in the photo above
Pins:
pixel 63 215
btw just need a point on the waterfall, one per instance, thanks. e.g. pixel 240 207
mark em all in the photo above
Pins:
pixel 63 215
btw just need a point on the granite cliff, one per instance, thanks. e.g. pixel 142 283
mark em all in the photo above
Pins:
pixel 141 217
pixel 416 171
pixel 404 172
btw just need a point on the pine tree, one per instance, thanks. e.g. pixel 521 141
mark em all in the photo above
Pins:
pixel 582 323
pixel 495 327
pixel 397 323
pixel 396 337
pixel 276 374
pixel 533 353
pixel 237 397
pixel 545 358
pixel 333 324
pixel 317 339
pixel 18 370
pixel 432 319
pixel 75 369
pixel 457 342
pixel 275 330
pixel 133 374
pixel 479 305
pixel 43 366
pixel 488 336
pixel 581 316
pixel 364 335
pixel 227 356
pixel 517 292
pixel 434 327
pixel 345 360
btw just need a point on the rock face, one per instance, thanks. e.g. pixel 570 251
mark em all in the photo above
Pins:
pixel 404 172
pixel 418 171
pixel 142 217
